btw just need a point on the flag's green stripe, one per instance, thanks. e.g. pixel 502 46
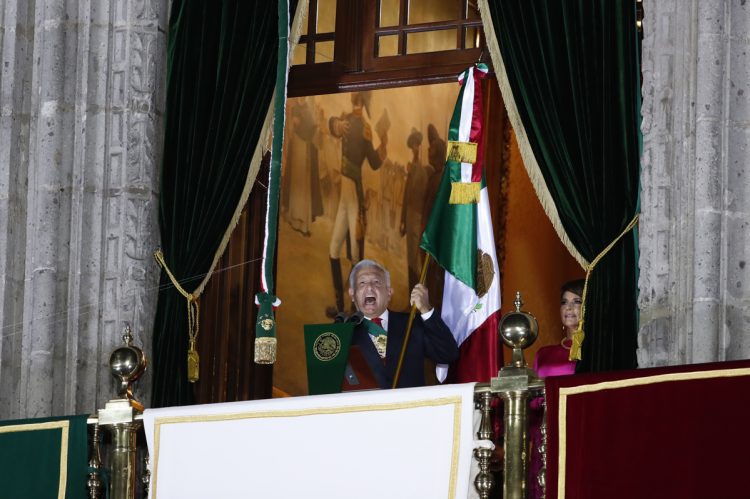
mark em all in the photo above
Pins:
pixel 451 233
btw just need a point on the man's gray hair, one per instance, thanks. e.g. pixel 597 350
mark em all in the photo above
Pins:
pixel 366 264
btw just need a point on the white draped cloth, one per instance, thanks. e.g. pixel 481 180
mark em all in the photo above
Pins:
pixel 379 444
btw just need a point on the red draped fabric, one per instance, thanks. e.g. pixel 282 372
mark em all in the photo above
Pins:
pixel 650 433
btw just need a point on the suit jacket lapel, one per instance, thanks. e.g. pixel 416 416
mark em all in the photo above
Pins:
pixel 396 330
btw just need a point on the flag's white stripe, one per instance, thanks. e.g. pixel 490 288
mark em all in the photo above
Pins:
pixel 441 371
pixel 464 125
pixel 460 302
pixel 486 236
pixel 263 282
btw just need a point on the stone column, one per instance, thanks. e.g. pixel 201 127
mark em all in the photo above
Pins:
pixel 696 191
pixel 81 98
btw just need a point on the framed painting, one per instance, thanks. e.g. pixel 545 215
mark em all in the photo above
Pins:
pixel 359 173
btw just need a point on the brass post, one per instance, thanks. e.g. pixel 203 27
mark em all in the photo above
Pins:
pixel 122 418
pixel 515 420
pixel 123 460
pixel 515 383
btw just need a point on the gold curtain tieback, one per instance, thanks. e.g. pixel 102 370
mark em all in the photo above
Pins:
pixel 193 312
pixel 579 335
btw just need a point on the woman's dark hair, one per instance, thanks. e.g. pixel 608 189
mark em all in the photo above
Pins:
pixel 575 287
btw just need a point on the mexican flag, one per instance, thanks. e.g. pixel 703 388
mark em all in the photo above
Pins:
pixel 459 237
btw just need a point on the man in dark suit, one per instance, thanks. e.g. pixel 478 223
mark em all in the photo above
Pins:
pixel 380 335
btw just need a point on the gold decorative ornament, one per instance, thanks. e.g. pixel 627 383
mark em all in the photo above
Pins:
pixel 193 362
pixel 381 344
pixel 326 347
pixel 461 152
pixel 265 350
pixel 576 346
pixel 266 322
pixel 485 273
pixel 465 192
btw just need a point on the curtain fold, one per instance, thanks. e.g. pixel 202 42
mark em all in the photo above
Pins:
pixel 572 68
pixel 220 81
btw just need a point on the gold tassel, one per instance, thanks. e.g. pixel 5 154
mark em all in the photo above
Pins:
pixel 465 192
pixel 462 152
pixel 265 350
pixel 193 363
pixel 577 345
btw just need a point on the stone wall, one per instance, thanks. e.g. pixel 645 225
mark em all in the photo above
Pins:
pixel 695 225
pixel 82 88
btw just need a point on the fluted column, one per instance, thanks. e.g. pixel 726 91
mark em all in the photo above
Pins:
pixel 81 102
pixel 694 282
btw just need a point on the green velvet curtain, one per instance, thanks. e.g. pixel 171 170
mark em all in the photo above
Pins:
pixel 221 74
pixel 573 67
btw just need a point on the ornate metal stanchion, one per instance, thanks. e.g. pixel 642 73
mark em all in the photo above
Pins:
pixel 485 481
pixel 95 482
pixel 541 478
pixel 146 476
pixel 121 417
pixel 514 384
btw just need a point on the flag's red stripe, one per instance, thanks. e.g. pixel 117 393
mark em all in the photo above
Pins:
pixel 477 120
pixel 480 355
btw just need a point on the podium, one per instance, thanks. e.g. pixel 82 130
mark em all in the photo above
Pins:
pixel 333 363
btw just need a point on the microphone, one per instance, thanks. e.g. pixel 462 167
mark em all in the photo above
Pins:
pixel 356 318
pixel 340 317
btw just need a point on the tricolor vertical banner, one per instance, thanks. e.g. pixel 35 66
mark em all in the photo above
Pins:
pixel 465 151
pixel 459 236
pixel 265 325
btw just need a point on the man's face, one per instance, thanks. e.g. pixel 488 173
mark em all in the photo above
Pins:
pixel 371 294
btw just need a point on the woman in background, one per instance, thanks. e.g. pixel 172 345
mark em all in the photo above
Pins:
pixel 552 360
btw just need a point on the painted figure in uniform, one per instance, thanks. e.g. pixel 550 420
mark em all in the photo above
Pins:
pixel 301 159
pixel 436 154
pixel 412 214
pixel 350 222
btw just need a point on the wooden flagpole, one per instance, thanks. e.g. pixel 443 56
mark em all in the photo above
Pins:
pixel 413 312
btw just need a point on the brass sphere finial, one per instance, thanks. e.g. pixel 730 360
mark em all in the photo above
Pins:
pixel 518 329
pixel 127 363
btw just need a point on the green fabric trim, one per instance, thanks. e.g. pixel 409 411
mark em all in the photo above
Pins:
pixel 282 69
pixel 375 329
pixel 265 326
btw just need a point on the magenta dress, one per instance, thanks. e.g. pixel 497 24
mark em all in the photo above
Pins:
pixel 549 361
pixel 553 361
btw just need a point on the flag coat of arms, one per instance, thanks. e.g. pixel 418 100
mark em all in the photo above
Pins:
pixel 460 238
